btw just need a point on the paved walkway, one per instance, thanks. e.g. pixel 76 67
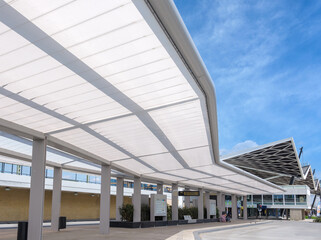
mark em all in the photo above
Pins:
pixel 181 232
pixel 271 229
pixel 285 230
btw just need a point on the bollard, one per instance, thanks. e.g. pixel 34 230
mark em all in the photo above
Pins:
pixel 62 222
pixel 22 231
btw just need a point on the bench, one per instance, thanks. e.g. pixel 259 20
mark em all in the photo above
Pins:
pixel 189 219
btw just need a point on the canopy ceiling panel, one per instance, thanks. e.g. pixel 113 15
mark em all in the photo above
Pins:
pixel 215 170
pixel 105 77
pixel 165 176
pixel 158 162
pixel 196 157
pixel 175 120
pixel 24 146
pixel 92 142
pixel 131 134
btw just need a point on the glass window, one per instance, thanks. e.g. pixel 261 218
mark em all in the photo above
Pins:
pixel 267 199
pixel 98 179
pixel 80 177
pixel 257 199
pixel 249 198
pixel 8 168
pixel 289 199
pixel 228 198
pixel 25 170
pixel 49 173
pixel 301 200
pixel 113 182
pixel 68 175
pixel 93 179
pixel 14 169
pixel 1 167
pixel 278 199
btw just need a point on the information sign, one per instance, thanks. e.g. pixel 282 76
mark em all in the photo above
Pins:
pixel 213 207
pixel 188 193
pixel 160 206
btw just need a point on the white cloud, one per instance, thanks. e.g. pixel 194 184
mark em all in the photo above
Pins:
pixel 247 144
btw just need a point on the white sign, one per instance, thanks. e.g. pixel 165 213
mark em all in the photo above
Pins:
pixel 160 206
pixel 212 207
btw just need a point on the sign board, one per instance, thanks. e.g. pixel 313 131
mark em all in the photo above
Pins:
pixel 319 209
pixel 228 203
pixel 188 193
pixel 160 205
pixel 213 207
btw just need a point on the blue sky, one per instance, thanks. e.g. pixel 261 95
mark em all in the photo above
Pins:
pixel 265 60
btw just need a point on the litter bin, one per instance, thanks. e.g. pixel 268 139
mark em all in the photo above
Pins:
pixel 22 231
pixel 62 222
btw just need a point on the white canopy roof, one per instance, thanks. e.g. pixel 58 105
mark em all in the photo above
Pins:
pixel 108 81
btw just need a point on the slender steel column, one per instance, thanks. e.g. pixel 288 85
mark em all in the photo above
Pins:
pixel 207 204
pixel 37 189
pixel 105 199
pixel 56 199
pixel 200 204
pixel 234 207
pixel 174 202
pixel 137 199
pixel 160 188
pixel 119 196
pixel 245 207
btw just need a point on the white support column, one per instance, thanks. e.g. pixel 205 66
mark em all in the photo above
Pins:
pixel 244 207
pixel 56 199
pixel 119 196
pixel 137 198
pixel 37 189
pixel 200 204
pixel 105 199
pixel 160 189
pixel 207 204
pixel 234 207
pixel 219 203
pixel 223 202
pixel 187 199
pixel 174 202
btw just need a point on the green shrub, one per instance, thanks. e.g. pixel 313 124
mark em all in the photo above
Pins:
pixel 127 212
pixel 318 219
pixel 169 212
pixel 193 212
pixel 145 212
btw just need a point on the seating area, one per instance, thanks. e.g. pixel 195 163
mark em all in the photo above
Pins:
pixel 189 219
